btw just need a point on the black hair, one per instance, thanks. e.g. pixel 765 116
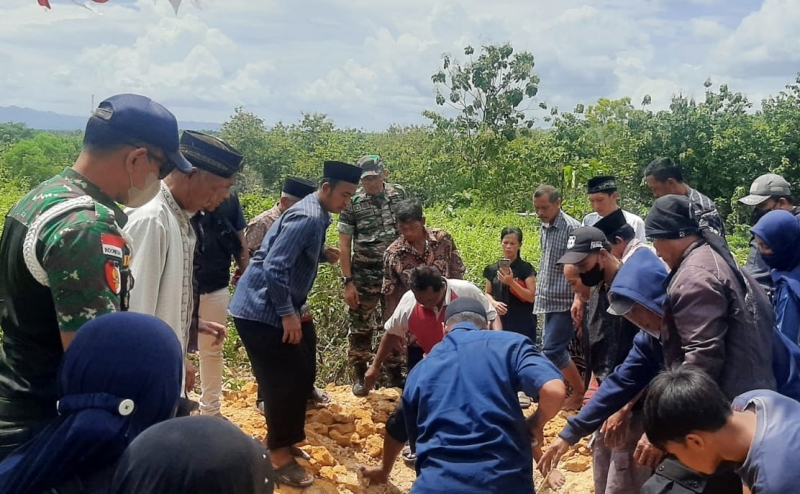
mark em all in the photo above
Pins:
pixel 788 198
pixel 551 192
pixel 100 138
pixel 662 169
pixel 476 319
pixel 625 232
pixel 408 210
pixel 332 182
pixel 682 400
pixel 512 230
pixel 424 277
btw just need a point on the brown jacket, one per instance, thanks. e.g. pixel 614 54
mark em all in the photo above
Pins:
pixel 712 322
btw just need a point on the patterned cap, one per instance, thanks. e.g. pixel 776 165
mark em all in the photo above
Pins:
pixel 605 183
pixel 210 154
pixel 371 164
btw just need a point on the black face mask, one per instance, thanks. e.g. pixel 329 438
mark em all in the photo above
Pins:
pixel 758 213
pixel 592 277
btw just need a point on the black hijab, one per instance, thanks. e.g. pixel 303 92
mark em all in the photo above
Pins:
pixel 194 455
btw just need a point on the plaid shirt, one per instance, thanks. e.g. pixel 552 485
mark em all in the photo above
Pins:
pixel 553 293
pixel 706 212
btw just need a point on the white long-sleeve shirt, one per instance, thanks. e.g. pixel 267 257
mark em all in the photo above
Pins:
pixel 163 246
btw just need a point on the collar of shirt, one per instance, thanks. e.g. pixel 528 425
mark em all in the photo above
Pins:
pixel 559 222
pixel 467 326
pixel 430 242
pixel 173 204
pixel 94 191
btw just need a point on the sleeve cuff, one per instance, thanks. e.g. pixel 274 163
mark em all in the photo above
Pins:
pixel 345 229
pixel 572 434
pixel 285 310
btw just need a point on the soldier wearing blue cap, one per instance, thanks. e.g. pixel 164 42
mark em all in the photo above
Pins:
pixel 164 239
pixel 64 256
pixel 267 311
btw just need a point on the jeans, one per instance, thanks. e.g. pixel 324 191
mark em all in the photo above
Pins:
pixel 558 331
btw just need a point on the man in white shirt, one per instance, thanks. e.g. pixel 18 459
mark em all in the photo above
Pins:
pixel 603 197
pixel 421 312
pixel 164 239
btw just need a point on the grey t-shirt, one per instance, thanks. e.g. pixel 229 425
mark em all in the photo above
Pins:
pixel 771 464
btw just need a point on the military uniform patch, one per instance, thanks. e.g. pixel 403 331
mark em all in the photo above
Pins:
pixel 112 276
pixel 112 245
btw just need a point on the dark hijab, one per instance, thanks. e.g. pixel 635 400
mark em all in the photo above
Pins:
pixel 780 230
pixel 673 216
pixel 120 375
pixel 192 455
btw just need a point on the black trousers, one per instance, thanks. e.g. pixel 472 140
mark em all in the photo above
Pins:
pixel 284 374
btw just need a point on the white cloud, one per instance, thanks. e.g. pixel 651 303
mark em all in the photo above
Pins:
pixel 368 64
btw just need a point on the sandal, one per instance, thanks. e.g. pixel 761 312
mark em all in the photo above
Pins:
pixel 524 400
pixel 293 475
pixel 320 397
pixel 409 458
pixel 299 453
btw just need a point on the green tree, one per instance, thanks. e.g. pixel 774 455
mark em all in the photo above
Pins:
pixel 490 92
pixel 34 160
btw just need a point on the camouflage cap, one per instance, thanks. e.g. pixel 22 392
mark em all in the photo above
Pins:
pixel 371 164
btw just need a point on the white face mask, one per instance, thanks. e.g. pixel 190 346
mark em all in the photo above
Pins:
pixel 139 197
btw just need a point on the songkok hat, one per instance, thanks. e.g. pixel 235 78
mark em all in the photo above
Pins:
pixel 298 187
pixel 604 183
pixel 611 223
pixel 211 154
pixel 345 172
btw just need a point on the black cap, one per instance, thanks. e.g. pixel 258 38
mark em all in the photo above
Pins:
pixel 604 183
pixel 339 170
pixel 464 304
pixel 581 243
pixel 671 217
pixel 611 223
pixel 298 187
pixel 210 153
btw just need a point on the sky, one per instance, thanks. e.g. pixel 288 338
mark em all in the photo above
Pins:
pixel 368 63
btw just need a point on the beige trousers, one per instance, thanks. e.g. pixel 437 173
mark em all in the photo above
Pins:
pixel 213 307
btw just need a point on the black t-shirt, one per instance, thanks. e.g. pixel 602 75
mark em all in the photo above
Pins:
pixel 218 243
pixel 519 317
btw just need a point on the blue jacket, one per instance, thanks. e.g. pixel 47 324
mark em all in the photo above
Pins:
pixel 642 364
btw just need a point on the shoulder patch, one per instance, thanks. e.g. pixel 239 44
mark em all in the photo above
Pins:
pixel 112 245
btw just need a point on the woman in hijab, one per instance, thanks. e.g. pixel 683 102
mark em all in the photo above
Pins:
pixel 194 454
pixel 777 234
pixel 120 375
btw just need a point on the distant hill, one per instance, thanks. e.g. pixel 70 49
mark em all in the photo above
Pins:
pixel 47 120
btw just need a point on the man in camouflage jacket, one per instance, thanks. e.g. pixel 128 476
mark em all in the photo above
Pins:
pixel 366 228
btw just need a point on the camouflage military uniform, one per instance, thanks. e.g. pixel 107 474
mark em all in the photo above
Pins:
pixel 64 261
pixel 257 228
pixel 371 222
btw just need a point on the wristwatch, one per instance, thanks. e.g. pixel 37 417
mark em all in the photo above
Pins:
pixel 346 280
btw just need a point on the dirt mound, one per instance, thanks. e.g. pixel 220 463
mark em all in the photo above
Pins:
pixel 349 432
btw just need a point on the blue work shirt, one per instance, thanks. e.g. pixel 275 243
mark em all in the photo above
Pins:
pixel 281 273
pixel 461 408
pixel 770 466
pixel 643 363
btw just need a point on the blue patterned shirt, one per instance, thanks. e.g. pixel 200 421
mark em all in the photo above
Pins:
pixel 280 274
